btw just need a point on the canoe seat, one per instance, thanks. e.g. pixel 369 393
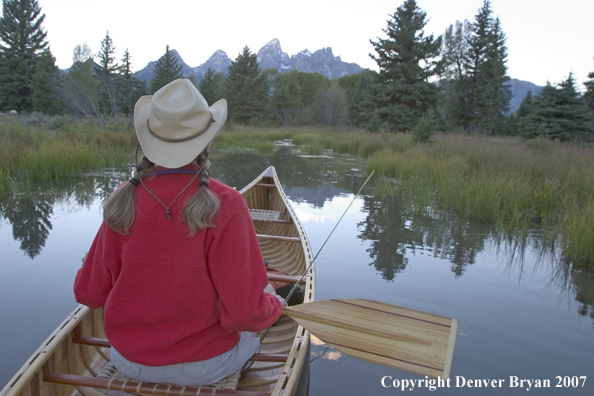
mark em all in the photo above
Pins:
pixel 142 388
pixel 261 214
pixel 268 216
pixel 110 373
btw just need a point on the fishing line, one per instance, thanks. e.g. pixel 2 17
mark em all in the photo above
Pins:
pixel 324 244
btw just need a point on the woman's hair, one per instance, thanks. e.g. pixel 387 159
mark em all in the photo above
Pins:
pixel 200 210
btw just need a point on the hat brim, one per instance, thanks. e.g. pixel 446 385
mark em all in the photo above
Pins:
pixel 175 155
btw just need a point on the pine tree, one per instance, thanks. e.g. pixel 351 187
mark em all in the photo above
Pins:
pixel 246 89
pixel 130 89
pixel 523 116
pixel 406 62
pixel 45 84
pixel 497 93
pixel 211 86
pixel 487 96
pixel 454 80
pixel 22 40
pixel 167 70
pixel 558 113
pixel 106 70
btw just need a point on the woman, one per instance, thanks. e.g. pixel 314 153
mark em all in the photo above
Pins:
pixel 176 263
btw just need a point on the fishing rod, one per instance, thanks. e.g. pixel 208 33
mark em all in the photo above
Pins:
pixel 331 232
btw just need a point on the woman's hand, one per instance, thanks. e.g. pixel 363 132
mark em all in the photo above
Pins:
pixel 270 289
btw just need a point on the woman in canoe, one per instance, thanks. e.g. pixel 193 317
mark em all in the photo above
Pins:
pixel 176 263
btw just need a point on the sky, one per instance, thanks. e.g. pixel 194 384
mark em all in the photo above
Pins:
pixel 546 40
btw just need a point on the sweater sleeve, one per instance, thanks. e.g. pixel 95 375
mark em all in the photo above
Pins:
pixel 239 276
pixel 94 280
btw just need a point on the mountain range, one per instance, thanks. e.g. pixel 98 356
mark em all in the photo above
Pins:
pixel 321 61
pixel 270 55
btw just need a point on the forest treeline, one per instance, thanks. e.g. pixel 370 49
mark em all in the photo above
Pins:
pixel 456 82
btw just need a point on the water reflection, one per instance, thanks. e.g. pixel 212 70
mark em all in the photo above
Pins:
pixel 393 230
pixel 29 211
pixel 396 232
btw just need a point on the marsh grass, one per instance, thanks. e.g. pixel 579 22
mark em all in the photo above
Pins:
pixel 519 186
pixel 40 147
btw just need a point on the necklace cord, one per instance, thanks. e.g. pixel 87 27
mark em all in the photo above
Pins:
pixel 167 212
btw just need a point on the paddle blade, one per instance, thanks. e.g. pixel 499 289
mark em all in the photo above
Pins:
pixel 401 338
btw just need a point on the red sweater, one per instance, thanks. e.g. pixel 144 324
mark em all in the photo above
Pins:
pixel 172 298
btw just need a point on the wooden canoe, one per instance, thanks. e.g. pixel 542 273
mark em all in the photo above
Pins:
pixel 69 362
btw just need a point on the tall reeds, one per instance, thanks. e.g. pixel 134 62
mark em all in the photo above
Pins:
pixel 516 185
pixel 40 147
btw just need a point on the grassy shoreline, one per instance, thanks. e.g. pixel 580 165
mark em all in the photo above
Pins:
pixel 38 147
pixel 517 185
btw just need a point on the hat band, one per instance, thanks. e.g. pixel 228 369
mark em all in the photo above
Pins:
pixel 170 140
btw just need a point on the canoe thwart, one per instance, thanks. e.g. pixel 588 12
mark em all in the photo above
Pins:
pixel 278 238
pixel 286 278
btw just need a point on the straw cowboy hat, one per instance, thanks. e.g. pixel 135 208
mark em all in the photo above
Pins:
pixel 175 124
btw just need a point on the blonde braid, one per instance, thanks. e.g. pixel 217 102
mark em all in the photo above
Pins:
pixel 202 209
pixel 120 208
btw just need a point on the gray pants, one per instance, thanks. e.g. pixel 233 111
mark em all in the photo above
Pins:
pixel 191 374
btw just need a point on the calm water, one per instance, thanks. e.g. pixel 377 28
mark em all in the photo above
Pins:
pixel 521 311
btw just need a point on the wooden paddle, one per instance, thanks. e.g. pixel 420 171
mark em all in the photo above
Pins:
pixel 376 332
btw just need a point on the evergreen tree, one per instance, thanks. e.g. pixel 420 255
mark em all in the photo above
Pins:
pixel 246 89
pixel 453 79
pixel 523 116
pixel 358 92
pixel 295 97
pixel 406 62
pixel 22 40
pixel 44 83
pixel 192 79
pixel 487 95
pixel 558 113
pixel 106 70
pixel 211 86
pixel 130 89
pixel 496 94
pixel 167 70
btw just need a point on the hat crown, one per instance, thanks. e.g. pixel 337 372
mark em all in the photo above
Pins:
pixel 178 110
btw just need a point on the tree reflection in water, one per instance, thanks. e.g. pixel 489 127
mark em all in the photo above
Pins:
pixel 29 211
pixel 393 228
